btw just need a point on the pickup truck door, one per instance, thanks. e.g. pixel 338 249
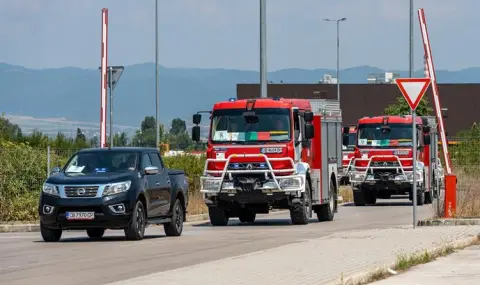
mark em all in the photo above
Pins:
pixel 163 186
pixel 150 186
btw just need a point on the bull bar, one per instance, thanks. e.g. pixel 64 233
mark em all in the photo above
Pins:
pixel 358 176
pixel 216 184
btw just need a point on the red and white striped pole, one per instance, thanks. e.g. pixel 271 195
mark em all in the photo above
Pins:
pixel 103 79
pixel 436 97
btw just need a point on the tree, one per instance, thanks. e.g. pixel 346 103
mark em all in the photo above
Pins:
pixel 178 126
pixel 147 136
pixel 401 107
pixel 120 139
pixel 8 130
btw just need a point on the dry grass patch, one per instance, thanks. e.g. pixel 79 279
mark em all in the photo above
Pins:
pixel 196 205
pixel 468 189
pixel 346 193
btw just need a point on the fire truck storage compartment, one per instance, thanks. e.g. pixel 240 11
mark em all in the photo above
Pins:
pixel 330 116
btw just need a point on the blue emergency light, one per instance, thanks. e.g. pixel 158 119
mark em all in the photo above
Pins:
pixel 232 99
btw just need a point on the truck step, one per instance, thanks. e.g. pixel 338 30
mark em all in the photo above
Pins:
pixel 158 221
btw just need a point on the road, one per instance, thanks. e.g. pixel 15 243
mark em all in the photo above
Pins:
pixel 26 259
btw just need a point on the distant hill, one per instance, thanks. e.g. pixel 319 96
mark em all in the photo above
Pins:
pixel 73 93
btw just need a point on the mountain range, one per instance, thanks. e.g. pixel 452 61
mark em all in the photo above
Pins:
pixel 73 93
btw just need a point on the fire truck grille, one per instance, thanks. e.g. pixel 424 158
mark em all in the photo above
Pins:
pixel 249 183
pixel 248 166
pixel 384 164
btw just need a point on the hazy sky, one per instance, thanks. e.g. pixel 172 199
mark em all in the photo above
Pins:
pixel 225 33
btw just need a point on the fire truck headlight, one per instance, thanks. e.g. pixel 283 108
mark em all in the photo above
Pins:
pixel 290 183
pixel 228 186
pixel 211 184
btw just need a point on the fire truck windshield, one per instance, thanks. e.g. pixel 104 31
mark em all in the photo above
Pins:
pixel 239 126
pixel 379 136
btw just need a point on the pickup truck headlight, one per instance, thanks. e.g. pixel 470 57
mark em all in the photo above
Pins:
pixel 116 188
pixel 50 189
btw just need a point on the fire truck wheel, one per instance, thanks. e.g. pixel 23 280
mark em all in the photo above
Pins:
pixel 358 197
pixel 420 197
pixel 300 212
pixel 326 212
pixel 247 216
pixel 218 216
pixel 428 197
pixel 371 198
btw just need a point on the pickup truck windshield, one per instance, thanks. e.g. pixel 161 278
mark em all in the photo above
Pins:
pixel 377 135
pixel 244 127
pixel 100 162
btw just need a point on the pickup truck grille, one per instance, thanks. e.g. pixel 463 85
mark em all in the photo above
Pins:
pixel 81 191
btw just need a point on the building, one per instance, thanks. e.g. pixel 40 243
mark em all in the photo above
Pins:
pixel 462 101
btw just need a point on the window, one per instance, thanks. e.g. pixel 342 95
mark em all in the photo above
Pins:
pixel 146 161
pixel 155 158
pixel 377 135
pixel 102 161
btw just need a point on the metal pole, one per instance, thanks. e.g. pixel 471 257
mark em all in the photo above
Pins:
pixel 414 170
pixel 157 130
pixel 111 104
pixel 411 40
pixel 48 161
pixel 263 49
pixel 338 60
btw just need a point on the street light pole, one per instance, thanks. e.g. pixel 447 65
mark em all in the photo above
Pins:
pixel 156 76
pixel 411 40
pixel 110 75
pixel 338 53
pixel 263 49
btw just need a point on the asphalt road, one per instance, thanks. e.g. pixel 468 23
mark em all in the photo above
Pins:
pixel 26 259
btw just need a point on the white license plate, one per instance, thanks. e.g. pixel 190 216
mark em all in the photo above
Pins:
pixel 80 215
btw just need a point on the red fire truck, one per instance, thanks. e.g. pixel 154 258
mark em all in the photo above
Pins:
pixel 271 153
pixel 383 159
pixel 347 154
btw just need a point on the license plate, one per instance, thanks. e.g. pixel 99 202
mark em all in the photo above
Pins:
pixel 80 215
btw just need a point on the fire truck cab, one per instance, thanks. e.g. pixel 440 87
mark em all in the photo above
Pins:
pixel 271 153
pixel 348 145
pixel 383 159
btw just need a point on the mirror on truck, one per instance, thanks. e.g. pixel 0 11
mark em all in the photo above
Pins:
pixel 345 140
pixel 197 118
pixel 55 170
pixel 308 116
pixel 426 139
pixel 309 131
pixel 346 130
pixel 196 133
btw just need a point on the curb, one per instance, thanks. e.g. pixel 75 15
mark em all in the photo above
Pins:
pixel 449 222
pixel 363 277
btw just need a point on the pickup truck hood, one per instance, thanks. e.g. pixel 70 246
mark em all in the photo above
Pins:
pixel 93 178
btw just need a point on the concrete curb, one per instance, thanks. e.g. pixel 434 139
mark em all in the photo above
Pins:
pixel 449 222
pixel 364 276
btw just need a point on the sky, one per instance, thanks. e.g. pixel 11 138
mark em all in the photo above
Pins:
pixel 225 33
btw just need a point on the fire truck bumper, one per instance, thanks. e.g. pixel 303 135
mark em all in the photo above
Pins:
pixel 357 178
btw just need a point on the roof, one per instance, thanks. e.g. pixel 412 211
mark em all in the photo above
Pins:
pixel 265 103
pixel 391 119
pixel 120 149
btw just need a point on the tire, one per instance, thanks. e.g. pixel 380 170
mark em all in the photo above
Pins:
pixel 175 227
pixel 428 197
pixel 50 235
pixel 95 233
pixel 218 216
pixel 326 212
pixel 371 198
pixel 300 213
pixel 420 197
pixel 358 197
pixel 138 222
pixel 247 216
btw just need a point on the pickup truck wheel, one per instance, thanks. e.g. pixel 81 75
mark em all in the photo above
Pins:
pixel 218 216
pixel 95 232
pixel 136 227
pixel 50 235
pixel 326 212
pixel 175 227
pixel 300 212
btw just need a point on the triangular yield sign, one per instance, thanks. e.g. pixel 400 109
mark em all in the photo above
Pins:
pixel 413 89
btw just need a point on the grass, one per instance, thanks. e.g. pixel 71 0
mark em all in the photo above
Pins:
pixel 196 205
pixel 468 189
pixel 346 193
pixel 406 261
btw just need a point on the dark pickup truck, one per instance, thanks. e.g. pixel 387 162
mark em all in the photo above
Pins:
pixel 113 188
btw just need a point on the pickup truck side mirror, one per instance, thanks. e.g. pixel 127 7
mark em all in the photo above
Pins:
pixel 150 170
pixel 197 118
pixel 309 131
pixel 55 170
pixel 196 133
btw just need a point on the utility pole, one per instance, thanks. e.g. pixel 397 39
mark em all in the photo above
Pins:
pixel 411 41
pixel 157 130
pixel 263 49
pixel 338 53
pixel 110 75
